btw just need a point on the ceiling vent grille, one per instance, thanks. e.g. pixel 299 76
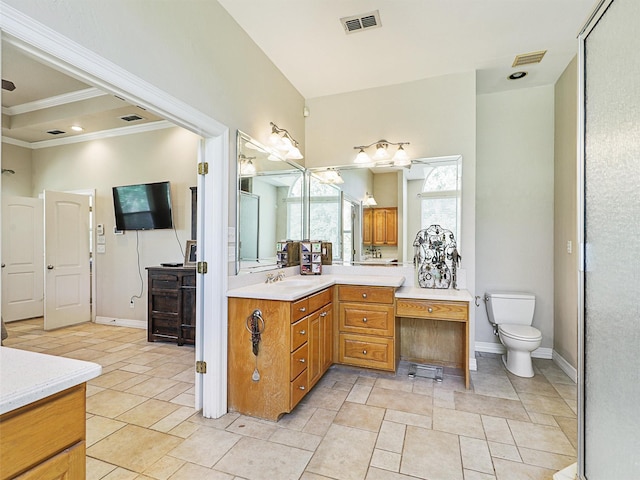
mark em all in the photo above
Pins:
pixel 528 58
pixel 131 118
pixel 358 23
pixel 56 132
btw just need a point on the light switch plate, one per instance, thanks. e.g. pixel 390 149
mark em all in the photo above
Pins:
pixel 102 248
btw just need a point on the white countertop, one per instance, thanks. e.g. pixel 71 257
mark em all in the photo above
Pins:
pixel 26 377
pixel 298 286
pixel 434 294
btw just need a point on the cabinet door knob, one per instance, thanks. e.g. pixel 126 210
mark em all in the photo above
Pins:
pixel 364 352
pixel 302 360
pixel 430 310
pixel 303 332
pixel 364 319
pixel 303 309
pixel 301 387
pixel 324 314
pixel 364 295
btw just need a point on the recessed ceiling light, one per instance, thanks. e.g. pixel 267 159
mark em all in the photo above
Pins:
pixel 517 75
pixel 77 128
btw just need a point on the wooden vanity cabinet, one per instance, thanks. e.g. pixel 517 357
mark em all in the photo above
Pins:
pixel 171 313
pixel 385 226
pixel 293 353
pixel 367 327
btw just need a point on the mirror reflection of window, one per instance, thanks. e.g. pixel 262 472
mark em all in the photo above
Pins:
pixel 439 197
pixel 325 214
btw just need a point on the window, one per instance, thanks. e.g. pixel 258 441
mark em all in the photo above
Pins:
pixel 440 197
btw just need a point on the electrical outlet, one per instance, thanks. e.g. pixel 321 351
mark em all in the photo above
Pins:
pixel 131 304
pixel 569 246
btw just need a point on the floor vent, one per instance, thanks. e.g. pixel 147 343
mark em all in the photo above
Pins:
pixel 358 23
pixel 56 132
pixel 528 58
pixel 131 118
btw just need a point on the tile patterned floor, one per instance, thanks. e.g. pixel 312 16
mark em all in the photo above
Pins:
pixel 354 425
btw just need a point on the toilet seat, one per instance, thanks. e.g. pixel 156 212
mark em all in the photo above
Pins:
pixel 525 333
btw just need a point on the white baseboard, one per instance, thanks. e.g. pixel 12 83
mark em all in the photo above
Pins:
pixel 122 322
pixel 565 366
pixel 473 365
pixel 492 347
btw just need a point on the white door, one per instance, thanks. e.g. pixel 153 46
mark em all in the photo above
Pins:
pixel 66 253
pixel 22 258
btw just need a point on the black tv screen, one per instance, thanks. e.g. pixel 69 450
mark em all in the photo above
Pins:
pixel 145 206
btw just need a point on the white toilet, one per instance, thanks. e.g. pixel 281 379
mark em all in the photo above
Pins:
pixel 512 314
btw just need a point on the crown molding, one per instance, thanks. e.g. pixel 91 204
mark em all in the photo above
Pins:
pixel 54 101
pixel 88 137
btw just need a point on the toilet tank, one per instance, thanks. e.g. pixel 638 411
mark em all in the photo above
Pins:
pixel 510 307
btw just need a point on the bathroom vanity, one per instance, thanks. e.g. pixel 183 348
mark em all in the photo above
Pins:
pixel 42 415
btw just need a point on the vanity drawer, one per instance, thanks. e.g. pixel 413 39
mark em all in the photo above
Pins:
pixel 364 351
pixel 299 360
pixel 457 311
pixel 320 299
pixel 366 294
pixel 299 388
pixel 367 319
pixel 300 309
pixel 299 333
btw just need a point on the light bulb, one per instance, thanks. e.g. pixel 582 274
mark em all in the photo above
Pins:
pixel 381 152
pixel 362 157
pixel 294 153
pixel 401 159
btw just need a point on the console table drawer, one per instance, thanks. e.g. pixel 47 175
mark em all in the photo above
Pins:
pixel 366 351
pixel 365 294
pixel 299 333
pixel 435 309
pixel 299 388
pixel 367 319
pixel 299 360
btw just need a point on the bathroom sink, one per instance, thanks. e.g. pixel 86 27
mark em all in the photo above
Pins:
pixel 291 288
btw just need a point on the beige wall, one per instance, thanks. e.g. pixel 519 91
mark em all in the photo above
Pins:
pixel 514 212
pixel 565 216
pixel 17 159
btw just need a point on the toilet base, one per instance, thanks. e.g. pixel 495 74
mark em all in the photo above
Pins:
pixel 518 363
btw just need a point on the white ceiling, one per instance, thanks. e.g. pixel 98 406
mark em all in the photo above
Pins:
pixel 418 39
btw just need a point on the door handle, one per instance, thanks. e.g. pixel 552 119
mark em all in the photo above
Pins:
pixel 3 265
pixel 49 267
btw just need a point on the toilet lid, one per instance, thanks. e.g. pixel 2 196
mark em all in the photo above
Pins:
pixel 521 332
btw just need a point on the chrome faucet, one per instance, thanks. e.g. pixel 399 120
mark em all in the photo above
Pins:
pixel 270 278
pixel 280 276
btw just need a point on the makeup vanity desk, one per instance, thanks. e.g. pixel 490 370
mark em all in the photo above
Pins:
pixel 434 326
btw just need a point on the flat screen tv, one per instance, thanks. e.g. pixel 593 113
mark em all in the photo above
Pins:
pixel 145 206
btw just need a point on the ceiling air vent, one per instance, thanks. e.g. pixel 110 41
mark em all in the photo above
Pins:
pixel 131 118
pixel 358 23
pixel 56 132
pixel 528 58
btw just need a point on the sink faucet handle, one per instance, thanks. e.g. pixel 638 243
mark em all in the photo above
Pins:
pixel 270 278
pixel 280 276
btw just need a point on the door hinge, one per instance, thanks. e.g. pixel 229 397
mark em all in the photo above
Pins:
pixel 203 168
pixel 201 366
pixel 202 267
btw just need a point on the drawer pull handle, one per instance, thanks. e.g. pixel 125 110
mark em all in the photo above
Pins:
pixel 303 332
pixel 364 352
pixel 302 360
pixel 324 314
pixel 301 387
pixel 364 295
pixel 430 310
pixel 364 319
pixel 303 309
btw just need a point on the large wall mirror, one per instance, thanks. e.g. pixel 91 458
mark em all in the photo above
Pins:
pixel 270 196
pixel 280 200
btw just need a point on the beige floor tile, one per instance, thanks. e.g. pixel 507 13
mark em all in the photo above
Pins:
pixel 548 460
pixel 506 470
pixel 174 419
pixel 457 422
pixel 325 398
pixel 496 407
pixel 172 392
pixel 132 367
pixel 423 386
pixel 542 419
pixel 148 413
pixel 364 417
pixel 547 405
pixel 298 418
pixel 440 461
pixel 475 455
pixel 473 475
pixel 380 474
pixel 101 427
pixel 504 451
pixel 188 375
pixel 569 427
pixel 189 471
pixel 91 390
pixel 568 392
pixel 184 429
pixel 320 421
pixel 540 437
pixel 399 384
pixel 164 468
pixel 405 418
pixel 444 398
pixel 250 427
pixel 359 393
pixel 133 448
pixel 343 454
pixel 292 438
pixel 493 385
pixel 311 476
pixel 256 459
pixel 110 403
pixel 206 446
pixel 219 423
pixel 386 460
pixel 344 386
pixel 538 385
pixel 97 469
pixel 121 474
pixel 145 358
pixel 185 399
pixel 497 430
pixel 403 401
pixel 391 437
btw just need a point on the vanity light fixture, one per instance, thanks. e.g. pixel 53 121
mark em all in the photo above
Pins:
pixel 330 176
pixel 77 128
pixel 247 168
pixel 369 201
pixel 400 158
pixel 282 140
